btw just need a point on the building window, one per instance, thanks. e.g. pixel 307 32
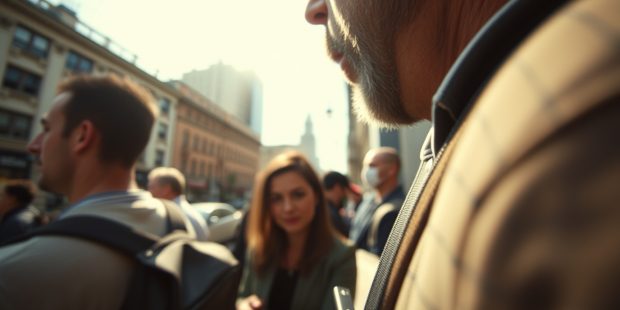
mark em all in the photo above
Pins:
pixel 164 105
pixel 162 131
pixel 159 158
pixel 185 137
pixel 196 142
pixel 14 125
pixel 31 42
pixel 20 80
pixel 78 63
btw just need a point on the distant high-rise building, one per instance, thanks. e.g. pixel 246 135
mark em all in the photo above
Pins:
pixel 238 93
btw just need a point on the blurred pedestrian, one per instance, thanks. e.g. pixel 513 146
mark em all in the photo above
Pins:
pixel 373 222
pixel 169 183
pixel 294 257
pixel 336 186
pixel 239 245
pixel 93 134
pixel 17 215
pixel 355 196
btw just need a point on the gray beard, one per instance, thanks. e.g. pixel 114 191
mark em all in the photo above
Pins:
pixel 379 117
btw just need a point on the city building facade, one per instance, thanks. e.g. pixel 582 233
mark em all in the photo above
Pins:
pixel 217 153
pixel 42 43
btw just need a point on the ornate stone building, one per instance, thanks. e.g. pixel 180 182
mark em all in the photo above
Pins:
pixel 41 43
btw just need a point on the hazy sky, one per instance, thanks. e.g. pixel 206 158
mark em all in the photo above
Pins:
pixel 270 37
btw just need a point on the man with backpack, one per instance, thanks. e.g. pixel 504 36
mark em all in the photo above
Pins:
pixel 93 134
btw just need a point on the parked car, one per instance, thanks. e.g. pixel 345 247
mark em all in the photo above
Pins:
pixel 222 218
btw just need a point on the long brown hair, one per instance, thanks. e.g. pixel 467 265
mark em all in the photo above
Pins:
pixel 267 242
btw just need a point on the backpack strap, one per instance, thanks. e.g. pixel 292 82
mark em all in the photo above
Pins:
pixel 98 229
pixel 108 232
pixel 394 263
pixel 377 217
pixel 417 224
pixel 395 239
pixel 175 218
pixel 408 229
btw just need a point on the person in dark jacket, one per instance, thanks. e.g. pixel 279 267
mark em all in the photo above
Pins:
pixel 376 215
pixel 16 213
pixel 336 185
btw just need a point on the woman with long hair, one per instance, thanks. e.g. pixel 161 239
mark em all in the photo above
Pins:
pixel 294 257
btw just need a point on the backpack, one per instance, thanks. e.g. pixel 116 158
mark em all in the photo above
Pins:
pixel 207 277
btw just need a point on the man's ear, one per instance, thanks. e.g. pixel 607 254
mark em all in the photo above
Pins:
pixel 84 136
pixel 393 170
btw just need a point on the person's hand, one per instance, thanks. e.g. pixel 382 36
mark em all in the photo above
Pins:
pixel 250 303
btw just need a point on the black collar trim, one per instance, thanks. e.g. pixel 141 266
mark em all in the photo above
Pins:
pixel 481 58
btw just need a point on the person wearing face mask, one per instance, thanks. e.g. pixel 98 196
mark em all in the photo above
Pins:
pixel 373 222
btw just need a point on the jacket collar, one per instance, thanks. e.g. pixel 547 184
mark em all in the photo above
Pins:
pixel 480 59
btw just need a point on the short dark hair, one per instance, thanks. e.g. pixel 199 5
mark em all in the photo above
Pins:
pixel 333 178
pixel 119 108
pixel 22 190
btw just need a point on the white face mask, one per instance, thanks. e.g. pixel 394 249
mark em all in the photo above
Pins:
pixel 371 177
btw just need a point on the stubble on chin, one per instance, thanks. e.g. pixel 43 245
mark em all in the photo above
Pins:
pixel 374 112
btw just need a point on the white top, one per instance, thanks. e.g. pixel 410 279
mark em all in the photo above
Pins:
pixel 198 222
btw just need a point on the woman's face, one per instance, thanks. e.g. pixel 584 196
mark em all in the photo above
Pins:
pixel 292 203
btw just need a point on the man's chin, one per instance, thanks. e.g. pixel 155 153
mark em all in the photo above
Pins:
pixel 44 186
pixel 370 111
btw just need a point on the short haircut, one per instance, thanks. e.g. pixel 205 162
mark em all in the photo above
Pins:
pixel 22 190
pixel 121 110
pixel 388 155
pixel 334 178
pixel 169 176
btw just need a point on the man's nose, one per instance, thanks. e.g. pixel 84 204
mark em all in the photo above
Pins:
pixel 316 12
pixel 35 145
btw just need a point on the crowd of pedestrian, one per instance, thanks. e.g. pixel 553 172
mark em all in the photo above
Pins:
pixel 515 204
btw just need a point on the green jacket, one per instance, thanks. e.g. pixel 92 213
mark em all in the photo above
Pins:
pixel 314 290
